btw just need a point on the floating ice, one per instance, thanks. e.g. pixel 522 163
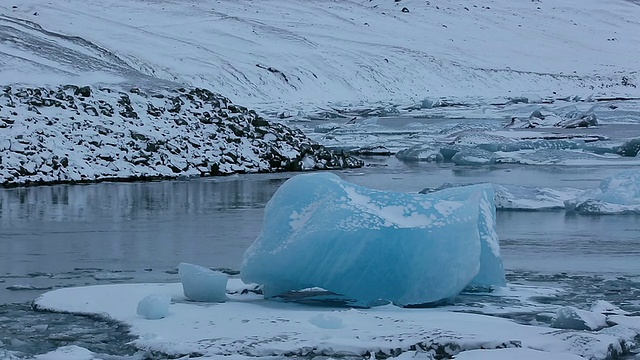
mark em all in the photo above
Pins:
pixel 421 152
pixel 202 284
pixel 474 157
pixel 154 307
pixel 569 317
pixel 617 194
pixel 320 231
pixel 514 197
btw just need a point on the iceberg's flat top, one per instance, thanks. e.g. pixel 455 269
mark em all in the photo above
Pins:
pixel 248 325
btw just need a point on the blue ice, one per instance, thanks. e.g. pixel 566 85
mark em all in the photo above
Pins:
pixel 203 284
pixel 370 245
pixel 154 307
pixel 617 194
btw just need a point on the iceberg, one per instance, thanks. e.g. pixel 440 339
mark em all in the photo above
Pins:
pixel 617 194
pixel 203 284
pixel 368 245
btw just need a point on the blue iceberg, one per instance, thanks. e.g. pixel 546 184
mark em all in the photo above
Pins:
pixel 368 245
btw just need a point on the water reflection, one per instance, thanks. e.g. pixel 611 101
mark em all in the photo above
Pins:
pixel 142 228
pixel 131 201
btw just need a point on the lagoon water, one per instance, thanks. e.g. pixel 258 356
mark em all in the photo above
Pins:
pixel 74 235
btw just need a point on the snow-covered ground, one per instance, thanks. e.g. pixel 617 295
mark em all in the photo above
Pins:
pixel 248 325
pixel 316 52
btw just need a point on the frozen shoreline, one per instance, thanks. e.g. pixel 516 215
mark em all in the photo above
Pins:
pixel 248 325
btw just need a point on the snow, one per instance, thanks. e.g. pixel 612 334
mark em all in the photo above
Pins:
pixel 370 245
pixel 295 51
pixel 202 284
pixel 249 325
pixel 154 307
pixel 70 352
pixel 510 354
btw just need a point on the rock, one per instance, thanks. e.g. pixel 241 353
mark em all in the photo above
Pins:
pixel 184 130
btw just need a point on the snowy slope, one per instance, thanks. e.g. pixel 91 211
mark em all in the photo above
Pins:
pixel 315 52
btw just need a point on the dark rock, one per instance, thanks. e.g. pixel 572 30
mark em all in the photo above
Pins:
pixel 629 148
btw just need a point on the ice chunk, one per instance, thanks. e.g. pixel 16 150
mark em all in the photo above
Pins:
pixel 421 152
pixel 203 284
pixel 569 317
pixel 320 231
pixel 474 157
pixel 325 321
pixel 491 271
pixel 154 307
pixel 607 308
pixel 617 194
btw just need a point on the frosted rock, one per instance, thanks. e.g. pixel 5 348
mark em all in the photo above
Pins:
pixel 369 245
pixel 572 318
pixel 203 284
pixel 628 148
pixel 154 307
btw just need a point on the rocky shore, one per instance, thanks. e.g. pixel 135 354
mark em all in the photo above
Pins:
pixel 85 134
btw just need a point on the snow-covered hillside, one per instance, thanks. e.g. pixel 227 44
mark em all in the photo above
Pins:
pixel 72 134
pixel 316 52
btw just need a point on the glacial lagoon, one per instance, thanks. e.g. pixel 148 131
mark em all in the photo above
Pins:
pixel 74 235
